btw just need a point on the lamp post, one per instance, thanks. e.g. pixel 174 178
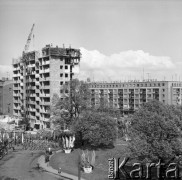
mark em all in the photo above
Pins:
pixel 79 167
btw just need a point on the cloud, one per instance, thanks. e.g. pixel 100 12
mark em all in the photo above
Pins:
pixel 124 64
pixel 5 71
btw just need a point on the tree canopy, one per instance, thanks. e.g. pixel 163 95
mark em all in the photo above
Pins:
pixel 66 107
pixel 156 131
pixel 96 129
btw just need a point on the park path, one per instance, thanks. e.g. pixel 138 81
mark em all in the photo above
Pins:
pixel 22 165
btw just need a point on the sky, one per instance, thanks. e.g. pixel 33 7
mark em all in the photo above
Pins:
pixel 119 39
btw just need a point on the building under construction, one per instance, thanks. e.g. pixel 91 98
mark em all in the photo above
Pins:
pixel 37 77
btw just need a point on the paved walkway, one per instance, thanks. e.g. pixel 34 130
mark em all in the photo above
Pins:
pixel 48 168
pixel 22 165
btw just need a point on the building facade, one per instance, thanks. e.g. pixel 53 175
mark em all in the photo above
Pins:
pixel 129 96
pixel 37 78
pixel 8 97
pixel 1 97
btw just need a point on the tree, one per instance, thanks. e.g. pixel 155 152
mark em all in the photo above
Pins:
pixel 154 132
pixel 74 98
pixel 96 129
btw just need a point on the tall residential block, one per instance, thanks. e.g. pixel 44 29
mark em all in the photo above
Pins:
pixel 129 96
pixel 37 78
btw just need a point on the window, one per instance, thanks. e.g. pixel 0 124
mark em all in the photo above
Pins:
pixel 66 75
pixel 61 75
pixel 61 67
pixel 163 90
pixel 66 67
pixel 61 83
pixel 163 84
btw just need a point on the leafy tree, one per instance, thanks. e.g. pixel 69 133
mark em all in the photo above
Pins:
pixel 155 132
pixel 74 98
pixel 96 129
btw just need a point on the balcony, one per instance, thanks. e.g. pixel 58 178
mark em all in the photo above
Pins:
pixel 32 87
pixel 44 111
pixel 45 62
pixel 16 94
pixel 37 114
pixel 16 88
pixel 16 107
pixel 46 119
pixel 32 95
pixel 37 98
pixel 32 109
pixel 37 83
pixel 16 75
pixel 31 102
pixel 45 79
pixel 41 71
pixel 37 91
pixel 45 87
pixel 44 95
pixel 37 75
pixel 16 101
pixel 45 103
pixel 46 70
pixel 32 117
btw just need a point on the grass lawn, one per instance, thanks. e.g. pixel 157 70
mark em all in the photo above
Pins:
pixel 69 162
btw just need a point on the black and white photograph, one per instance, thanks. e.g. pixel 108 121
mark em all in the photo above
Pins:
pixel 90 89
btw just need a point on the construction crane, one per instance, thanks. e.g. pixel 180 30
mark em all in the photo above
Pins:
pixel 26 89
pixel 28 40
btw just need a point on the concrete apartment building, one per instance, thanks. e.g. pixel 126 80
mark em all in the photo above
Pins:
pixel 129 96
pixel 1 97
pixel 6 97
pixel 38 79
